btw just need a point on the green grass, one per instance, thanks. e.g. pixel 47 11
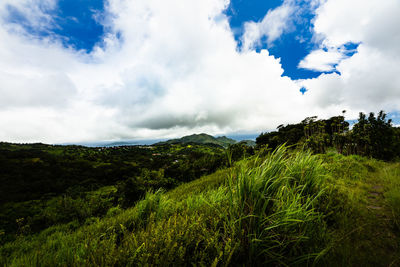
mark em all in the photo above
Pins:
pixel 282 208
pixel 391 175
pixel 365 215
pixel 273 207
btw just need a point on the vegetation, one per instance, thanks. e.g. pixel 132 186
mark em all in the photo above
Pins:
pixel 258 207
pixel 44 185
pixel 203 138
pixel 363 220
pixel 325 199
pixel 372 137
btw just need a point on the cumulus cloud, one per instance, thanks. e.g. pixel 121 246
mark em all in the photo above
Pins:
pixel 169 68
pixel 31 13
pixel 369 80
pixel 272 26
pixel 322 60
pixel 162 69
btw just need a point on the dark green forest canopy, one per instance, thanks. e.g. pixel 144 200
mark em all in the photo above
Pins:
pixel 38 179
pixel 32 171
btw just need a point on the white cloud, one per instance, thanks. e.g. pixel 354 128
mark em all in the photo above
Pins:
pixel 322 60
pixel 176 70
pixel 372 21
pixel 273 25
pixel 325 59
pixel 35 12
pixel 369 80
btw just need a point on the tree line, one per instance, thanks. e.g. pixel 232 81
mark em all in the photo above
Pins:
pixel 371 136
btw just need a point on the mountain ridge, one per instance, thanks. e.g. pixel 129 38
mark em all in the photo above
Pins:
pixel 201 138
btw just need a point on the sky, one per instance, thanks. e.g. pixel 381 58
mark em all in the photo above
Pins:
pixel 93 70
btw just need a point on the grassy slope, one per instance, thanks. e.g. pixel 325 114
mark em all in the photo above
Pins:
pixel 219 219
pixel 366 232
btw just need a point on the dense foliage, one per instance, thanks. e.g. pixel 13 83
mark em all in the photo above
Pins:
pixel 268 204
pixel 320 200
pixel 280 208
pixel 43 185
pixel 374 136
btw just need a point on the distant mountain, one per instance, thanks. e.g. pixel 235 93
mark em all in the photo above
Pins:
pixel 248 143
pixel 201 139
pixel 117 143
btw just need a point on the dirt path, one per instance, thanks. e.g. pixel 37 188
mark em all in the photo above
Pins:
pixel 382 233
pixel 376 199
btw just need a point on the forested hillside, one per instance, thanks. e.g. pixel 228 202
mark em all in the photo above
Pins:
pixel 280 208
pixel 43 185
pixel 203 138
pixel 321 192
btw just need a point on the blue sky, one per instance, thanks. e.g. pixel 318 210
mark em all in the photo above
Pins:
pixel 80 70
pixel 293 45
pixel 76 20
pixel 290 48
pixel 78 24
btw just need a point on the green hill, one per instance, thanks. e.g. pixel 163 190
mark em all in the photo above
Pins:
pixel 326 198
pixel 276 209
pixel 201 139
pixel 248 143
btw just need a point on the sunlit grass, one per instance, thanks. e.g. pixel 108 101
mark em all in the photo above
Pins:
pixel 282 208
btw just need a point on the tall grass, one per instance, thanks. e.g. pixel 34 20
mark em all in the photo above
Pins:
pixel 265 210
pixel 272 207
pixel 392 195
pixel 364 205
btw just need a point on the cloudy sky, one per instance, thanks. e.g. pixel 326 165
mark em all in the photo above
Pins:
pixel 90 70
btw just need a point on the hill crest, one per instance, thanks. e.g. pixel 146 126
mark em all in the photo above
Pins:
pixel 201 138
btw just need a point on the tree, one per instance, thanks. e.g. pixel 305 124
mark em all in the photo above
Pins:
pixel 374 137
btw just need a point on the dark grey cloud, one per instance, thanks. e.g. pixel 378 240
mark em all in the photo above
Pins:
pixel 169 121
